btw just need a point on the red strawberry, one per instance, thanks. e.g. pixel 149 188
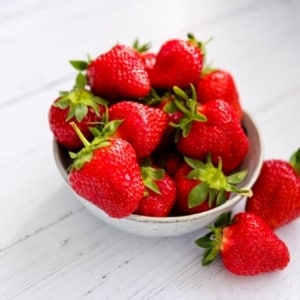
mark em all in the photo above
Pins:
pixel 178 62
pixel 219 84
pixel 201 186
pixel 170 161
pixel 106 173
pixel 119 73
pixel 248 246
pixel 148 57
pixel 160 193
pixel 166 104
pixel 211 128
pixel 79 106
pixel 143 126
pixel 276 193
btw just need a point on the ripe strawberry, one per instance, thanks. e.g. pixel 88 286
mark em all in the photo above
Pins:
pixel 211 128
pixel 148 57
pixel 166 104
pixel 143 126
pixel 79 106
pixel 219 84
pixel 276 193
pixel 119 73
pixel 247 245
pixel 160 193
pixel 178 62
pixel 201 186
pixel 106 173
pixel 170 161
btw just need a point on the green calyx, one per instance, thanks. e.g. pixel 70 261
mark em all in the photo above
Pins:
pixel 201 45
pixel 295 161
pixel 141 48
pixel 191 38
pixel 79 99
pixel 213 183
pixel 212 241
pixel 102 136
pixel 79 65
pixel 153 98
pixel 150 175
pixel 188 105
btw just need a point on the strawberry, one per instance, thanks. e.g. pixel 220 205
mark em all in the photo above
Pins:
pixel 178 62
pixel 148 57
pixel 248 246
pixel 276 193
pixel 201 186
pixel 106 173
pixel 219 84
pixel 170 161
pixel 79 106
pixel 166 104
pixel 143 126
pixel 210 128
pixel 118 73
pixel 160 193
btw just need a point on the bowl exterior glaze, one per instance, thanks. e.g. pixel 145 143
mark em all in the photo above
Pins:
pixel 177 225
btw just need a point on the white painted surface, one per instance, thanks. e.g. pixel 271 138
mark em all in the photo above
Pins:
pixel 53 248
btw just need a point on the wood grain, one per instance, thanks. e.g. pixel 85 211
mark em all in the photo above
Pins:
pixel 50 246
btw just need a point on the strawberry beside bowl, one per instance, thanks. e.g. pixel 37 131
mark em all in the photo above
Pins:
pixel 175 225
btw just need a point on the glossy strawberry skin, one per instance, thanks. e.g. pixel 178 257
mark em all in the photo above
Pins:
pixel 276 194
pixel 219 84
pixel 119 73
pixel 143 126
pixel 111 180
pixel 178 62
pixel 149 59
pixel 174 115
pixel 249 246
pixel 63 131
pixel 159 205
pixel 221 135
pixel 184 186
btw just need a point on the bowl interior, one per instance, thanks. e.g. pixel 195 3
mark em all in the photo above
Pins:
pixel 175 225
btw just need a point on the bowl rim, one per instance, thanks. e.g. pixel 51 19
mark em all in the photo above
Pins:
pixel 177 219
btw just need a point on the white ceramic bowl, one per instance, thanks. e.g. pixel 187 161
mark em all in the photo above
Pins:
pixel 177 225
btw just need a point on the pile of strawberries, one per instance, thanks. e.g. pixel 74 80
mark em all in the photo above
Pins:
pixel 152 133
pixel 160 134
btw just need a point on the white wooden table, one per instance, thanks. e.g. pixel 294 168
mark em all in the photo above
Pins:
pixel 53 248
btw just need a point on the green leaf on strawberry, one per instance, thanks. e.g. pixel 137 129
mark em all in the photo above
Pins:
pixel 151 174
pixel 80 81
pixel 213 183
pixel 141 47
pixel 188 105
pixel 295 161
pixel 79 65
pixel 79 100
pixel 86 153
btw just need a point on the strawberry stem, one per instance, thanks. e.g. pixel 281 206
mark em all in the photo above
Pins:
pixel 83 139
pixel 188 105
